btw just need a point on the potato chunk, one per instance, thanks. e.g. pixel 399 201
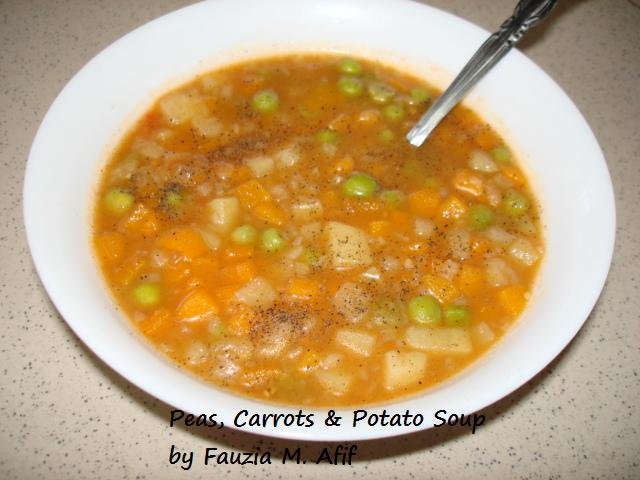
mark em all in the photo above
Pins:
pixel 287 157
pixel 260 166
pixel 224 213
pixel 348 246
pixel 306 210
pixel 209 127
pixel 440 340
pixel 360 343
pixel 403 368
pixel 257 293
pixel 351 301
pixel 273 344
pixel 182 107
pixel 337 382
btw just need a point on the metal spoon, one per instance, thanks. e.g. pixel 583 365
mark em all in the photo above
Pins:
pixel 526 14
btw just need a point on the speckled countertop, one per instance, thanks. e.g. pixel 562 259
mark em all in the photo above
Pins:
pixel 67 415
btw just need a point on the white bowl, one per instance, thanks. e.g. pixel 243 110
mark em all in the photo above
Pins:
pixel 555 146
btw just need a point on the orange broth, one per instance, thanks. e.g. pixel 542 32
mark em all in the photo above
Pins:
pixel 267 227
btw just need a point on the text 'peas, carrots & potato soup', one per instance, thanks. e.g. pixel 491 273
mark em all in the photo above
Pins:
pixel 268 227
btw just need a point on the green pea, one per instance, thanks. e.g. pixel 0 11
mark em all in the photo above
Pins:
pixel 272 240
pixel 480 217
pixel 384 312
pixel 501 155
pixel 328 136
pixel 418 95
pixel 310 257
pixel 146 294
pixel 515 203
pixel 359 185
pixel 118 201
pixel 393 112
pixel 380 93
pixel 306 112
pixel 432 182
pixel 424 309
pixel 457 316
pixel 350 86
pixel 217 328
pixel 266 101
pixel 386 135
pixel 245 235
pixel 392 197
pixel 350 66
pixel 172 199
pixel 415 170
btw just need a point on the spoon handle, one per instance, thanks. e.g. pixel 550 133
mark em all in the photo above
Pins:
pixel 526 14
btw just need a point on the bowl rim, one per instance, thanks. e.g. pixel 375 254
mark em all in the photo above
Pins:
pixel 33 214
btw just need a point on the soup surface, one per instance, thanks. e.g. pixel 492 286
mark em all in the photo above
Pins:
pixel 268 227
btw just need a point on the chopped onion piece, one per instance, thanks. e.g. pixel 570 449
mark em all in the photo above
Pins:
pixel 499 273
pixel 372 274
pixel 459 241
pixel 499 235
pixel 351 301
pixel 287 157
pixel 196 353
pixel 481 161
pixel 483 333
pixel 523 251
pixel 424 227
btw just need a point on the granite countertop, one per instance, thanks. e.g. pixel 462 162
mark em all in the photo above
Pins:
pixel 65 414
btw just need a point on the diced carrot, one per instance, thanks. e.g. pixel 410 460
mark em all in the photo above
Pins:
pixel 270 213
pixel 110 246
pixel 197 305
pixel 242 173
pixel 205 267
pixel 441 288
pixel 142 221
pixel 237 253
pixel 176 273
pixel 380 228
pixel 128 271
pixel 424 202
pixel 486 139
pixel 512 298
pixel 330 199
pixel 239 322
pixel 239 273
pixel 308 361
pixel 344 165
pixel 480 246
pixel 227 293
pixel 452 207
pixel 379 170
pixel 185 241
pixel 467 182
pixel 303 288
pixel 489 312
pixel 470 280
pixel 400 220
pixel 513 174
pixel 252 193
pixel 154 323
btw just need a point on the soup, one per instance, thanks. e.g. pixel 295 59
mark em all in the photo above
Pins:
pixel 268 228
